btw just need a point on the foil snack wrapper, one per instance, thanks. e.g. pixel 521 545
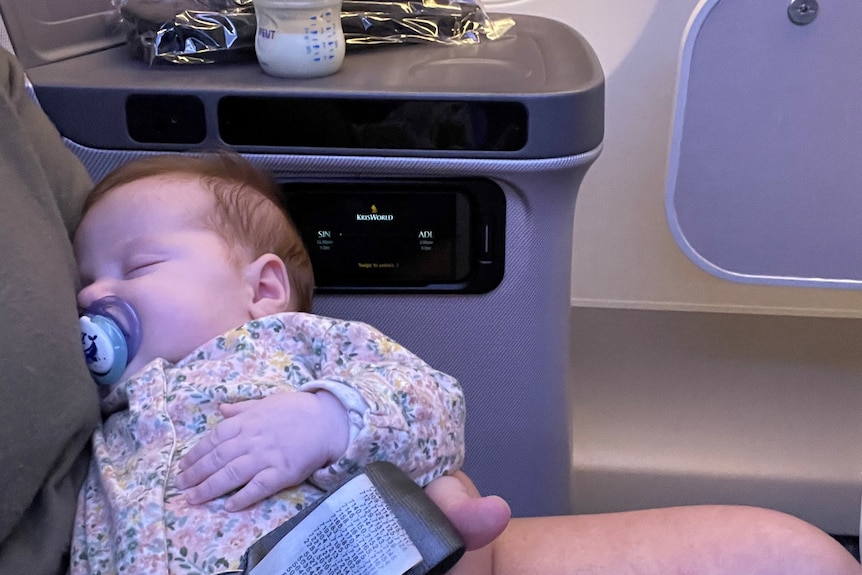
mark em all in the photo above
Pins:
pixel 189 31
pixel 212 31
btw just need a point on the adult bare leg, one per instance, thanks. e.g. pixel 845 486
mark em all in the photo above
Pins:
pixel 701 540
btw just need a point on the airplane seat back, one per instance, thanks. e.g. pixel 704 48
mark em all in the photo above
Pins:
pixel 488 202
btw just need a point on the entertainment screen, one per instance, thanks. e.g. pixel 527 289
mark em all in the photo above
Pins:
pixel 397 234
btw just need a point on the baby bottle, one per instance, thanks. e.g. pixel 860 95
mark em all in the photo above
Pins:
pixel 299 38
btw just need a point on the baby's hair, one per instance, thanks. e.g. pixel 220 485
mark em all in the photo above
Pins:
pixel 248 210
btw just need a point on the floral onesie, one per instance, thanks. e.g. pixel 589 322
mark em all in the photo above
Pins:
pixel 133 519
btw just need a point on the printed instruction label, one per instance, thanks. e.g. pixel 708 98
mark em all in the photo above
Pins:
pixel 352 532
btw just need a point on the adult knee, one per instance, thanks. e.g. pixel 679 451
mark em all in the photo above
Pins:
pixel 796 546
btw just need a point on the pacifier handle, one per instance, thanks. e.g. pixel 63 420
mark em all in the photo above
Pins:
pixel 110 337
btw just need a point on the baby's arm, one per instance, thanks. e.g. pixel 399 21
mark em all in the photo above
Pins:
pixel 263 446
pixel 413 415
pixel 399 409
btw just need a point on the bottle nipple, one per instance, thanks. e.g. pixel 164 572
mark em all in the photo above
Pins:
pixel 110 337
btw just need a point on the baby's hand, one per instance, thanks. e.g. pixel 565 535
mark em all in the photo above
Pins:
pixel 263 446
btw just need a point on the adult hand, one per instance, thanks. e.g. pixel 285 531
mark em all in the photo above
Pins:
pixel 479 520
pixel 263 446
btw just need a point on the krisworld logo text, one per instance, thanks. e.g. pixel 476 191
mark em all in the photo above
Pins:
pixel 374 216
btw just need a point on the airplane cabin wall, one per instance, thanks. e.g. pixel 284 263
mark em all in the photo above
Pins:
pixel 687 388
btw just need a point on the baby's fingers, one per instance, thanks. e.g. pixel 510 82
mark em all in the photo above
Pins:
pixel 223 432
pixel 237 473
pixel 262 485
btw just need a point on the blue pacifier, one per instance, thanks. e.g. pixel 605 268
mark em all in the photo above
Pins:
pixel 110 335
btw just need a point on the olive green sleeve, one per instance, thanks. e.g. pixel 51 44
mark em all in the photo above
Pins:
pixel 48 404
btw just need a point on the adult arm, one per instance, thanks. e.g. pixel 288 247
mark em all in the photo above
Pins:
pixel 48 405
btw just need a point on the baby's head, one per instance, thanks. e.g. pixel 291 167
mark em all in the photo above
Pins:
pixel 246 213
pixel 197 245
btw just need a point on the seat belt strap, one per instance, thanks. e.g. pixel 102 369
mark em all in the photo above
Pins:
pixel 378 522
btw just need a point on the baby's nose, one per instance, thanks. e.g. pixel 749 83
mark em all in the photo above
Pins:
pixel 91 293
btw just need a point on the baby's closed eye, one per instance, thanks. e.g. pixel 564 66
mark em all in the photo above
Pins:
pixel 140 266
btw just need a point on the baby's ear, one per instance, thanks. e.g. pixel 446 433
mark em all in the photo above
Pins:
pixel 267 277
